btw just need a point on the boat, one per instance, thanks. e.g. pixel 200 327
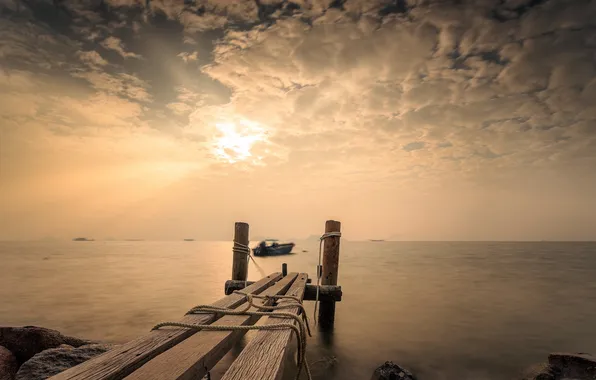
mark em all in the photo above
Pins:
pixel 376 240
pixel 189 239
pixel 82 239
pixel 271 247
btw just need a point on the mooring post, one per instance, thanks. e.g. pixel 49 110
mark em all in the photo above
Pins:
pixel 284 269
pixel 240 256
pixel 330 269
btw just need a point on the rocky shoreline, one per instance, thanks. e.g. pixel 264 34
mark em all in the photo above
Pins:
pixel 560 366
pixel 36 353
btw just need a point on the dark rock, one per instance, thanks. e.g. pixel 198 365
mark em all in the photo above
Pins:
pixel 577 366
pixel 8 364
pixel 391 371
pixel 24 342
pixel 55 360
pixel 542 371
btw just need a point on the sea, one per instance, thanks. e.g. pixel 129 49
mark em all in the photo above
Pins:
pixel 443 310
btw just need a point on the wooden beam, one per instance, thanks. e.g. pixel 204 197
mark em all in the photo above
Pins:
pixel 123 360
pixel 264 356
pixel 326 292
pixel 240 258
pixel 194 357
pixel 331 254
pixel 330 272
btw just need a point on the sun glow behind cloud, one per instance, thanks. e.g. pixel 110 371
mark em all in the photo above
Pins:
pixel 471 123
pixel 234 141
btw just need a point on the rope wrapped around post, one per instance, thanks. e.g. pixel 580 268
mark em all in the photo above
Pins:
pixel 322 238
pixel 300 331
pixel 243 248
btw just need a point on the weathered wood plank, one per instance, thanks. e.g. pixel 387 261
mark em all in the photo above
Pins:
pixel 123 360
pixel 192 358
pixel 263 357
pixel 326 292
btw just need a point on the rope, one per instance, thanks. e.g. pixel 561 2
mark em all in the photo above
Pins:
pixel 323 237
pixel 245 249
pixel 300 331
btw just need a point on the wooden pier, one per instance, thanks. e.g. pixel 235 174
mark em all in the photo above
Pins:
pixel 192 346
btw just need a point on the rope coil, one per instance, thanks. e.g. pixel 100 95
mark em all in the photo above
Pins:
pixel 319 269
pixel 300 331
pixel 245 249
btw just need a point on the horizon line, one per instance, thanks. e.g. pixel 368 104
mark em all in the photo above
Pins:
pixel 310 239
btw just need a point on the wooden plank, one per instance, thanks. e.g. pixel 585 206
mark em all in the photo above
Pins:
pixel 194 357
pixel 326 292
pixel 263 357
pixel 123 360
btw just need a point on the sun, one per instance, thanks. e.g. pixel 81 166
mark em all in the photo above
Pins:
pixel 235 140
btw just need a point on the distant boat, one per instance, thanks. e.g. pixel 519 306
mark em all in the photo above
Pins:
pixel 271 247
pixel 189 239
pixel 376 240
pixel 82 239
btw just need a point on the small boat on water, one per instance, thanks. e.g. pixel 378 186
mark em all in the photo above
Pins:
pixel 271 247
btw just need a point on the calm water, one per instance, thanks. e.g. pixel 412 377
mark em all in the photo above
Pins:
pixel 445 310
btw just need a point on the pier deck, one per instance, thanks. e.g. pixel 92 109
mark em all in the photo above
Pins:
pixel 181 350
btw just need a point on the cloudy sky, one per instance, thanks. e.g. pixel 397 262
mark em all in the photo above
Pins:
pixel 408 119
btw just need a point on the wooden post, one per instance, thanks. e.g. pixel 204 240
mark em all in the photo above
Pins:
pixel 330 269
pixel 284 269
pixel 240 261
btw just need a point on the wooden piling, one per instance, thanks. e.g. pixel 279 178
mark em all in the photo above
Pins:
pixel 240 261
pixel 330 271
pixel 284 269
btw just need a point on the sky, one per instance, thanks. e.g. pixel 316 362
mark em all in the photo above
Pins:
pixel 403 119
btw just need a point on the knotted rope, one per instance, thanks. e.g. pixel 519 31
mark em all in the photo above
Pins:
pixel 300 331
pixel 245 249
pixel 319 269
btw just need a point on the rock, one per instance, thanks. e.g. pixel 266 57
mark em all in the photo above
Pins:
pixel 542 371
pixel 577 366
pixel 8 364
pixel 55 360
pixel 391 371
pixel 24 342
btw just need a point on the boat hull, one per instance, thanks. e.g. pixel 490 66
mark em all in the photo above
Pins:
pixel 281 249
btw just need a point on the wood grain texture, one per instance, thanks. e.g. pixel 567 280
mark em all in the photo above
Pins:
pixel 123 360
pixel 331 254
pixel 194 357
pixel 330 273
pixel 263 357
pixel 326 292
pixel 240 259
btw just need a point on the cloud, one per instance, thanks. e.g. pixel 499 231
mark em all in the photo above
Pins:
pixel 92 58
pixel 395 95
pixel 115 44
pixel 188 57
pixel 122 84
pixel 416 145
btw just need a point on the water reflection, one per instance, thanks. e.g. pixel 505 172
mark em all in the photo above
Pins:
pixel 444 310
